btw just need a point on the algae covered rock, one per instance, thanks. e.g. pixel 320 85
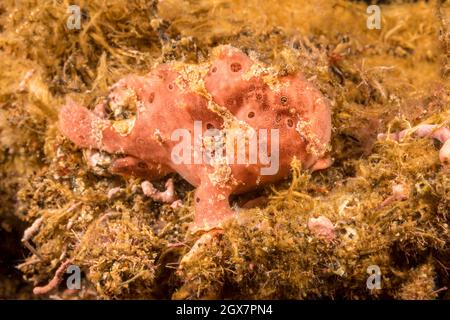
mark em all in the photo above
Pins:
pixel 372 224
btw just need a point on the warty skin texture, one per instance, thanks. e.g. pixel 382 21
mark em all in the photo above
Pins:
pixel 232 91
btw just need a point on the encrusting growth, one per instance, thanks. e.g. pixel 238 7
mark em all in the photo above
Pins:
pixel 57 278
pixel 167 196
pixel 322 227
pixel 399 193
pixel 423 130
